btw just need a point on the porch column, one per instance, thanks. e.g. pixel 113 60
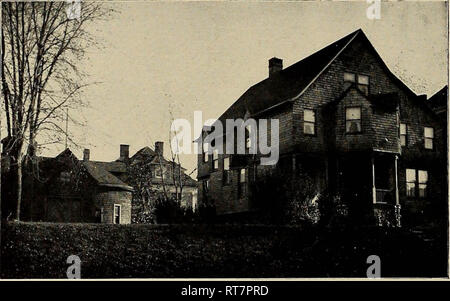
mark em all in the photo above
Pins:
pixel 397 201
pixel 374 190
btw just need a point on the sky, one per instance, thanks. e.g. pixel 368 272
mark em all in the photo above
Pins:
pixel 165 60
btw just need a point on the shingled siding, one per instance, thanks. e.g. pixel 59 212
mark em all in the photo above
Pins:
pixel 376 125
pixel 358 59
pixel 107 200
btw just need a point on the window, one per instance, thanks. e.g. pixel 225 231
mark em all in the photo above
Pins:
pixel 117 210
pixel 363 83
pixel 423 179
pixel 205 152
pixel 64 176
pixel 349 77
pixel 416 180
pixel 309 121
pixel 353 120
pixel 428 133
pixel 410 182
pixel 403 134
pixel 248 140
pixel 158 172
pixel 226 171
pixel 205 186
pixel 215 159
pixel 242 182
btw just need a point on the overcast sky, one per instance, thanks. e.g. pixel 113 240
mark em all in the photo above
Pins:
pixel 203 56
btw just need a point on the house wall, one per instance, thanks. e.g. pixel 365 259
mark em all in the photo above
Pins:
pixel 377 125
pixel 106 199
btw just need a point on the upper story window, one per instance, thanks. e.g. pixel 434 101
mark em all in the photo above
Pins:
pixel 248 140
pixel 158 171
pixel 363 83
pixel 403 134
pixel 428 133
pixel 353 120
pixel 226 170
pixel 205 186
pixel 205 152
pixel 416 183
pixel 64 177
pixel 242 182
pixel 361 80
pixel 309 122
pixel 349 77
pixel 215 159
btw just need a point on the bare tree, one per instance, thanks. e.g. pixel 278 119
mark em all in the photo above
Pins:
pixel 42 44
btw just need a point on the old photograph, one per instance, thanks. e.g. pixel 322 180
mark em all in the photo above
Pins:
pixel 222 139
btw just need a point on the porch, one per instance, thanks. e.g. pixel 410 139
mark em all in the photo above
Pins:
pixel 385 193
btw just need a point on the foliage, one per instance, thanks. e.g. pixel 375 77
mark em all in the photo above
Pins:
pixel 286 198
pixel 40 250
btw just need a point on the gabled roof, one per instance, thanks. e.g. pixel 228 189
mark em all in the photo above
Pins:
pixel 291 82
pixel 96 170
pixel 386 101
pixel 103 177
pixel 439 99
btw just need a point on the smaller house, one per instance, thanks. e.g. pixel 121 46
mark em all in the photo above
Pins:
pixel 66 189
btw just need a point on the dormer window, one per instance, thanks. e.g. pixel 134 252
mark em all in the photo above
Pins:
pixel 353 120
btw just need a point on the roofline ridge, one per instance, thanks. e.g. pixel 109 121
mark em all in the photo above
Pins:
pixel 355 34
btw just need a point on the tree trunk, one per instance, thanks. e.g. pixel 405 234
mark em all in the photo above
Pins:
pixel 19 189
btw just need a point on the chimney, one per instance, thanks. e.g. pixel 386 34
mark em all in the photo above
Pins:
pixel 159 147
pixel 275 65
pixel 86 154
pixel 124 152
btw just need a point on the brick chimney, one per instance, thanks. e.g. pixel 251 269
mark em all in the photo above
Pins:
pixel 159 147
pixel 275 65
pixel 86 154
pixel 124 152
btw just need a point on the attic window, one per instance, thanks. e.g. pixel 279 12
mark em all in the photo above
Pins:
pixel 353 120
pixel 363 83
pixel 349 77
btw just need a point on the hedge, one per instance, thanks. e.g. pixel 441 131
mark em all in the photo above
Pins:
pixel 40 250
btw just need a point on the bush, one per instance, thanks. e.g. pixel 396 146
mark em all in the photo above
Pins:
pixel 287 199
pixel 40 250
